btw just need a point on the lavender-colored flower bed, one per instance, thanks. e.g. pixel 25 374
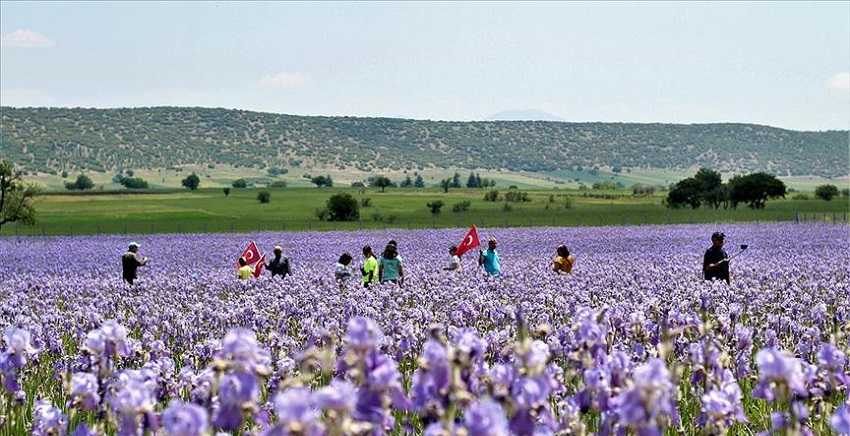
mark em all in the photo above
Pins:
pixel 633 342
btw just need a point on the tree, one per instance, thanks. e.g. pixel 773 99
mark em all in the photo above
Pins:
pixel 264 197
pixel 419 182
pixel 342 207
pixel 755 189
pixel 826 192
pixel 685 192
pixel 845 192
pixel 239 183
pixel 191 182
pixel 134 183
pixel 446 184
pixel 710 186
pixel 435 206
pixel 456 181
pixel 226 192
pixel 322 181
pixel 472 181
pixel 83 183
pixel 15 196
pixel 380 182
pixel 407 182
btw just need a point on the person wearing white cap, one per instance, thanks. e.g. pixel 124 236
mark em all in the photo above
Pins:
pixel 131 261
pixel 279 266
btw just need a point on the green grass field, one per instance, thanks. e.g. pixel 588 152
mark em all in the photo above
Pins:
pixel 208 210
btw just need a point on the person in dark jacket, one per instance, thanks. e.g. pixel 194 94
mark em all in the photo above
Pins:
pixel 130 263
pixel 279 266
pixel 715 263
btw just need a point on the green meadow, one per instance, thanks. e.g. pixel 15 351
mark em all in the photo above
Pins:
pixel 209 210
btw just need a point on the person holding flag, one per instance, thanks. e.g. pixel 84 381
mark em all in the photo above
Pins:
pixel 490 259
pixel 469 242
pixel 245 271
pixel 252 261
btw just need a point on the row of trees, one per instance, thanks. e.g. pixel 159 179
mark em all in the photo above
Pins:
pixel 706 187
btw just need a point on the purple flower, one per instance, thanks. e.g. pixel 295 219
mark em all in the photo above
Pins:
pixel 363 334
pixel 237 391
pixel 240 346
pixel 48 420
pixel 184 419
pixel 722 405
pixel 650 399
pixel 296 411
pixel 339 395
pixel 84 390
pixel 18 345
pixel 485 417
pixel 831 358
pixel 777 367
pixel 840 421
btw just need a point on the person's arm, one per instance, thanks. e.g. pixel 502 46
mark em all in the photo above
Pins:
pixel 480 258
pixel 287 267
pixel 705 263
pixel 140 260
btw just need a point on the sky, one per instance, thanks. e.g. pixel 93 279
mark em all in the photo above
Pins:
pixel 781 64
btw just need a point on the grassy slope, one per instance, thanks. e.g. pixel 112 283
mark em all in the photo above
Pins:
pixel 293 209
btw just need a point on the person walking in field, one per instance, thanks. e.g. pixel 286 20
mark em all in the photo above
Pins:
pixel 390 267
pixel 370 267
pixel 564 261
pixel 343 268
pixel 130 263
pixel 245 271
pixel 490 259
pixel 454 260
pixel 279 266
pixel 715 263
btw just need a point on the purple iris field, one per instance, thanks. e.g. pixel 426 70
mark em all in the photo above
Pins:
pixel 633 342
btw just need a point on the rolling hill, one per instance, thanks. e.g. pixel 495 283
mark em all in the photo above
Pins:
pixel 55 139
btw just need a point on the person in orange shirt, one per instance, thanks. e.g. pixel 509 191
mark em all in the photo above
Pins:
pixel 564 261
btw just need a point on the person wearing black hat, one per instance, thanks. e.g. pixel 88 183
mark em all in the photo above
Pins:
pixel 131 261
pixel 715 263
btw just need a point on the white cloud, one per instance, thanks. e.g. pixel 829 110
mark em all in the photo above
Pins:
pixel 284 80
pixel 25 38
pixel 839 82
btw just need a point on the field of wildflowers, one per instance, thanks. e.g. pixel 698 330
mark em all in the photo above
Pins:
pixel 633 342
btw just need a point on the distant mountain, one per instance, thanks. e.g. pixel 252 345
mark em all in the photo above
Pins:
pixel 48 140
pixel 524 115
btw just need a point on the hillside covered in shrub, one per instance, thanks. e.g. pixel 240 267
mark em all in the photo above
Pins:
pixel 56 139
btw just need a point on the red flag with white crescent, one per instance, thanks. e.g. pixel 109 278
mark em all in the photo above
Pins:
pixel 469 242
pixel 258 269
pixel 251 254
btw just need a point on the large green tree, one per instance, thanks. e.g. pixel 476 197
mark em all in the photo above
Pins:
pixel 16 197
pixel 191 182
pixel 755 189
pixel 685 192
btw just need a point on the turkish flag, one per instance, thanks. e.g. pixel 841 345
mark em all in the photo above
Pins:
pixel 469 242
pixel 251 254
pixel 258 269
